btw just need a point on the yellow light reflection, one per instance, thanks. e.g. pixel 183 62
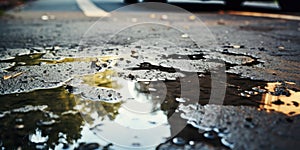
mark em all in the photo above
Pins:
pixel 288 105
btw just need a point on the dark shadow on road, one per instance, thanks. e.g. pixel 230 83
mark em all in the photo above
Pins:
pixel 202 7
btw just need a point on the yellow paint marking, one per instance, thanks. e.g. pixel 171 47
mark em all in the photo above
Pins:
pixel 267 15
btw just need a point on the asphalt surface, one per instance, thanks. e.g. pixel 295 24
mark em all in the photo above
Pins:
pixel 57 63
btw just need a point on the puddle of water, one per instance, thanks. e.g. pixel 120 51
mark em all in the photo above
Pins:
pixel 43 110
pixel 95 111
pixel 281 99
pixel 141 112
pixel 49 118
pixel 136 114
pixel 270 96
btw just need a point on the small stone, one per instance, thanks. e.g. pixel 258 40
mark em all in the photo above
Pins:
pixel 281 90
pixel 292 113
pixel 238 46
pixel 130 76
pixel 152 16
pixel 178 141
pixel 221 22
pixel 19 126
pixel 136 144
pixel 69 88
pixel 185 35
pixel 210 135
pixel 45 17
pixel 227 143
pixel 192 18
pixel 46 123
pixel 225 51
pixel 180 100
pixel 249 119
pixel 88 146
pixel 192 143
pixel 281 48
pixel 261 49
pixel 164 17
pixel 295 103
pixel 152 122
pixel 134 19
pixel 278 102
pixel 245 95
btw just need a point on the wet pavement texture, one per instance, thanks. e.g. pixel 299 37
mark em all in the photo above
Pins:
pixel 63 87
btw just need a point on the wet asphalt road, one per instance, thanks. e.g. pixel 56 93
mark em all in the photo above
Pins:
pixel 36 37
pixel 65 26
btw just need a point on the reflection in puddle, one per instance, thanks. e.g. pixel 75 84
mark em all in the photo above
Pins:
pixel 31 118
pixel 137 115
pixel 95 111
pixel 47 119
pixel 139 118
pixel 281 99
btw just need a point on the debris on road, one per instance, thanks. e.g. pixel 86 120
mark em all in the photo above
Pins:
pixel 192 18
pixel 6 77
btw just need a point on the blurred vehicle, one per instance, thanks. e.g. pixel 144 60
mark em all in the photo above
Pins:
pixel 288 5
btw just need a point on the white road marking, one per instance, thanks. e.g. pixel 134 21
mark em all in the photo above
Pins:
pixel 90 9
pixel 267 15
